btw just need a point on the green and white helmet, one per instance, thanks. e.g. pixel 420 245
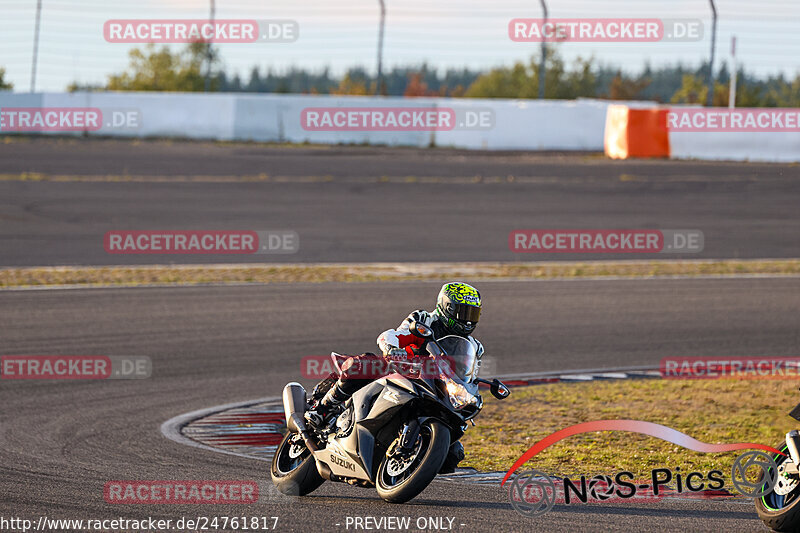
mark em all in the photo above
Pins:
pixel 459 306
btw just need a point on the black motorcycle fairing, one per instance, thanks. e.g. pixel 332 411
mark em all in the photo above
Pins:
pixel 795 413
pixel 433 400
pixel 378 417
pixel 374 408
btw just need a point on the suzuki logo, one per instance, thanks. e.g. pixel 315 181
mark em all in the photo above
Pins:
pixel 391 396
pixel 335 459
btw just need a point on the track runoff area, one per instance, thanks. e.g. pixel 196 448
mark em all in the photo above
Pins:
pixel 702 304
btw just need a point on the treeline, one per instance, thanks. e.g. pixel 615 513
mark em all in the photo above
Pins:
pixel 396 82
pixel 4 85
pixel 153 69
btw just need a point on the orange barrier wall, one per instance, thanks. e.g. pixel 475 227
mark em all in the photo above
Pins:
pixel 632 132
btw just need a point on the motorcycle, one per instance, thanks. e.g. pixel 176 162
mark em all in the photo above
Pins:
pixel 393 434
pixel 779 508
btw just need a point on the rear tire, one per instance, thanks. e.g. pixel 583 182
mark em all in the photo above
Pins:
pixel 292 474
pixel 773 510
pixel 434 445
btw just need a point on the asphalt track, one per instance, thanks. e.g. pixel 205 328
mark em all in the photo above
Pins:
pixel 361 204
pixel 60 442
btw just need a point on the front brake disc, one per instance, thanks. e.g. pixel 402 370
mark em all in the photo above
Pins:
pixel 397 465
pixel 296 449
pixel 786 483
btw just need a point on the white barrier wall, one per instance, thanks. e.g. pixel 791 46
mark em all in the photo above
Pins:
pixel 530 125
pixel 692 132
pixel 208 116
pixel 516 125
pixel 513 125
pixel 766 146
pixel 291 107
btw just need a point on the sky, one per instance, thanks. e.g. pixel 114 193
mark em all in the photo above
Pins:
pixel 442 33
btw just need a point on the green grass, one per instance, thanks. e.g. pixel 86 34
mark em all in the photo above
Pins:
pixel 712 411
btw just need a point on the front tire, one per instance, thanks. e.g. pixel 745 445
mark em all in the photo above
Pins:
pixel 399 486
pixel 294 470
pixel 780 513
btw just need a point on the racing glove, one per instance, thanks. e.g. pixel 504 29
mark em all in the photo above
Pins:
pixel 397 354
pixel 402 354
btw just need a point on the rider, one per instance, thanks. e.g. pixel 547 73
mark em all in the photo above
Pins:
pixel 458 308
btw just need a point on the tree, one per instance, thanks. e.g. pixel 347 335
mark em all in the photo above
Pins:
pixel 459 91
pixel 514 82
pixel 693 91
pixel 351 86
pixel 748 95
pixel 522 81
pixel 624 88
pixel 417 86
pixel 785 94
pixel 151 69
pixel 255 80
pixel 4 85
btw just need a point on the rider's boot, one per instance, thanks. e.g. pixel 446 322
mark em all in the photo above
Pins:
pixel 454 456
pixel 327 408
pixel 348 383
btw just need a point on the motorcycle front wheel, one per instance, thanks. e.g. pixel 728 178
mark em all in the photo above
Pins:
pixel 294 471
pixel 780 512
pixel 401 478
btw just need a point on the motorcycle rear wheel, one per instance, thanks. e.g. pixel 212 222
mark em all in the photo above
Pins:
pixel 780 513
pixel 430 454
pixel 294 471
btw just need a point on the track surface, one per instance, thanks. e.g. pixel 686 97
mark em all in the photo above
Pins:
pixel 61 441
pixel 744 210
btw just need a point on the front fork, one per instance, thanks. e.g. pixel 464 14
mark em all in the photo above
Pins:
pixel 404 445
pixel 793 447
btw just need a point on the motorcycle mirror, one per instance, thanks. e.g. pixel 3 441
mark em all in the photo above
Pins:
pixel 420 330
pixel 499 390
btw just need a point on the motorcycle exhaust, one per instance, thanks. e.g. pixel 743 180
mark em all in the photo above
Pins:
pixel 294 405
pixel 793 443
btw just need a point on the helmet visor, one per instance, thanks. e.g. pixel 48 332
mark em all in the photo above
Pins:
pixel 465 313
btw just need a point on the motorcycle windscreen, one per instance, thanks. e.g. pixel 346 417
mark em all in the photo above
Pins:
pixel 460 357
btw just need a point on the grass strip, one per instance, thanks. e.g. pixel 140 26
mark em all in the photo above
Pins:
pixel 712 411
pixel 365 272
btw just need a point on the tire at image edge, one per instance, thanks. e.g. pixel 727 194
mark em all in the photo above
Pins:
pixel 786 519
